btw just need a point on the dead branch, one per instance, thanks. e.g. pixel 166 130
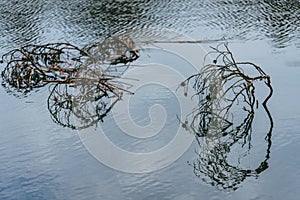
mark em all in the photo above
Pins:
pixel 221 87
pixel 83 78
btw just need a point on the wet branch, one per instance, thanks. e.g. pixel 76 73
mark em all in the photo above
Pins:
pixel 225 88
pixel 87 81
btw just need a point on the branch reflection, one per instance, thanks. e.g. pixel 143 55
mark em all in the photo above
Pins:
pixel 88 105
pixel 98 84
pixel 85 83
pixel 223 122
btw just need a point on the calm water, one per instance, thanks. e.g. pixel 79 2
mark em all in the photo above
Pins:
pixel 43 160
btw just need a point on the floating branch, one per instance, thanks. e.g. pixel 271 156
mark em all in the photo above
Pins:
pixel 34 66
pixel 224 116
pixel 223 84
pixel 114 50
pixel 83 78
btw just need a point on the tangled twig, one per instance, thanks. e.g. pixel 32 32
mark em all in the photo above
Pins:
pixel 33 65
pixel 220 87
pixel 81 76
pixel 226 88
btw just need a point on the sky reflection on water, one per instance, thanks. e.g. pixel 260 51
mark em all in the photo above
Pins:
pixel 41 160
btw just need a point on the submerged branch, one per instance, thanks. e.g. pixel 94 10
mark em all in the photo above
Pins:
pixel 82 77
pixel 224 88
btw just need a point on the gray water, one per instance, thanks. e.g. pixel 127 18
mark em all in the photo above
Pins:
pixel 43 160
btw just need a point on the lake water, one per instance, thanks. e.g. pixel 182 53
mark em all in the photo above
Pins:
pixel 41 159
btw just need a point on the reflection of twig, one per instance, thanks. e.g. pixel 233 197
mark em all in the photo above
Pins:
pixel 221 87
pixel 86 79
pixel 78 109
pixel 212 160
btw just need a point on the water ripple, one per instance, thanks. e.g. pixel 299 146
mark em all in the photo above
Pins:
pixel 31 21
pixel 21 21
pixel 40 160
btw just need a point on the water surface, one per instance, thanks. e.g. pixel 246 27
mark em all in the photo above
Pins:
pixel 42 160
